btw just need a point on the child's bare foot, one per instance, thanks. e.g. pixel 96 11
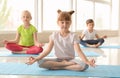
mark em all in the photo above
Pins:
pixel 94 45
pixel 41 44
pixel 67 62
pixel 25 49
pixel 97 45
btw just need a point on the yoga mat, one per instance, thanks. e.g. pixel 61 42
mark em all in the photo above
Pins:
pixel 105 46
pixel 34 70
pixel 9 54
pixel 110 46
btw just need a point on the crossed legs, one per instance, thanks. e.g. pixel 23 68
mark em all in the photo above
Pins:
pixel 60 65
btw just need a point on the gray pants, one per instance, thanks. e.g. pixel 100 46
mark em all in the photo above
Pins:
pixel 78 61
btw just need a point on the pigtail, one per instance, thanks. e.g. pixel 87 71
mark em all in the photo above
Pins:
pixel 64 15
pixel 71 12
pixel 59 11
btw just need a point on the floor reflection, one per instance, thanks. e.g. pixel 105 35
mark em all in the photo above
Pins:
pixel 112 57
pixel 107 57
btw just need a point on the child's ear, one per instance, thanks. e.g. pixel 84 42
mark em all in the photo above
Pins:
pixel 71 12
pixel 59 11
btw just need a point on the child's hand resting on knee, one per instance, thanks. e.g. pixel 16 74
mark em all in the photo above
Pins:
pixel 91 62
pixel 31 60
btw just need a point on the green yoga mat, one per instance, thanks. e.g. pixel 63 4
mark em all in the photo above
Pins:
pixel 23 69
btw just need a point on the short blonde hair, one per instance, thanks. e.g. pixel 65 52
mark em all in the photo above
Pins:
pixel 27 12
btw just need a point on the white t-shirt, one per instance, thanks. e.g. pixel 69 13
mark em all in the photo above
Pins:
pixel 89 35
pixel 64 46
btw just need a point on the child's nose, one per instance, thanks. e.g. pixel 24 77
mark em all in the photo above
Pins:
pixel 65 23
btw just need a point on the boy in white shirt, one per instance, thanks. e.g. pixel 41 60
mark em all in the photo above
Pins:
pixel 89 37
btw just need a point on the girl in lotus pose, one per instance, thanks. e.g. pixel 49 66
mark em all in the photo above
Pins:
pixel 26 37
pixel 65 44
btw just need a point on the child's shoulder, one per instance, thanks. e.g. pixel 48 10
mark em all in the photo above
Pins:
pixel 32 25
pixel 55 33
pixel 73 34
pixel 20 26
pixel 94 30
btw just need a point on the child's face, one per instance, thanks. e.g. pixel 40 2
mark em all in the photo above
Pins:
pixel 90 25
pixel 26 17
pixel 64 25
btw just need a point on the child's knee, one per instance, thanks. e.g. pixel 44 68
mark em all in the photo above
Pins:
pixel 13 47
pixel 83 43
pixel 85 67
pixel 101 40
pixel 40 63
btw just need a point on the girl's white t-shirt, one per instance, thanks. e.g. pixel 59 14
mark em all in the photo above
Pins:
pixel 89 35
pixel 64 46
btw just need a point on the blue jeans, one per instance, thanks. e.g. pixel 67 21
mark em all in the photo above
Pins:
pixel 92 42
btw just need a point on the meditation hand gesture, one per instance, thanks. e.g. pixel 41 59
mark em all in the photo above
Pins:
pixel 91 63
pixel 31 60
pixel 5 41
pixel 39 44
pixel 104 36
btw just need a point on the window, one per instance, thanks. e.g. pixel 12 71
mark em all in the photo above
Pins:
pixel 98 10
pixel 50 8
pixel 84 11
pixel 11 13
pixel 44 13
pixel 102 16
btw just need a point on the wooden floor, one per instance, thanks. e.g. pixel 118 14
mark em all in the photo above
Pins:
pixel 108 57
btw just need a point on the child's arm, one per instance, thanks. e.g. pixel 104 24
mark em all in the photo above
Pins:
pixel 16 40
pixel 82 56
pixel 36 40
pixel 82 36
pixel 45 52
pixel 97 36
pixel 104 36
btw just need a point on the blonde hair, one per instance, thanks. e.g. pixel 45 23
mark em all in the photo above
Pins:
pixel 26 12
pixel 64 15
